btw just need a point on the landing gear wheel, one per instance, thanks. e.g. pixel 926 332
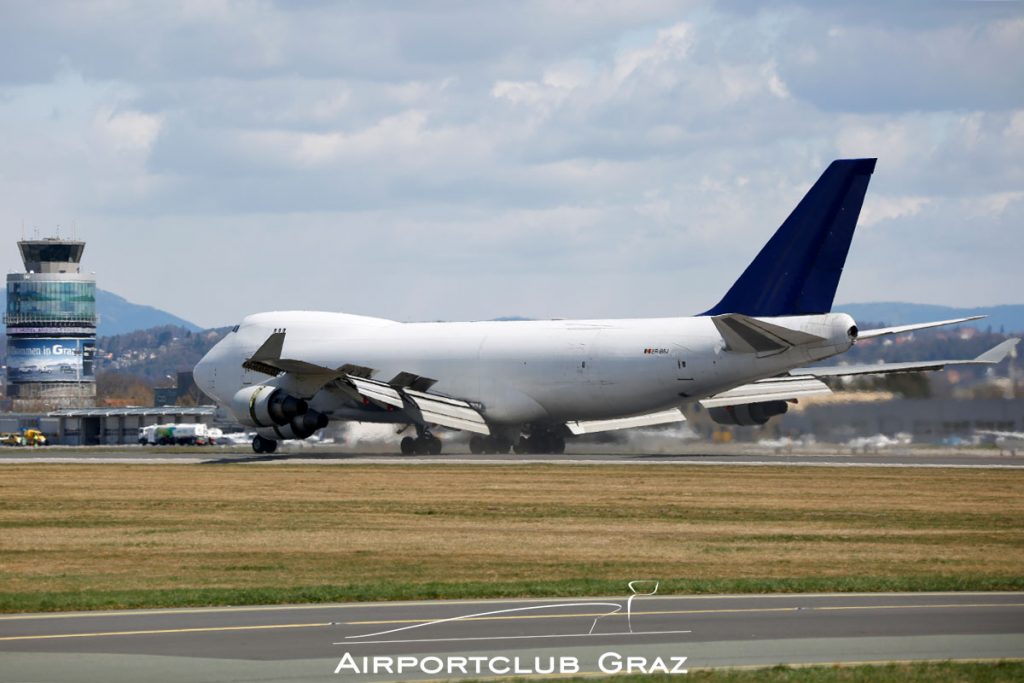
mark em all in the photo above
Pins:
pixel 408 445
pixel 522 447
pixel 476 445
pixel 542 443
pixel 496 445
pixel 427 444
pixel 262 445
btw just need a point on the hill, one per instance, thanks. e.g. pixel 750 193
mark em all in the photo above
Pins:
pixel 120 316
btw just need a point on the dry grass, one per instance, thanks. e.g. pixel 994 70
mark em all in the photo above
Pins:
pixel 89 528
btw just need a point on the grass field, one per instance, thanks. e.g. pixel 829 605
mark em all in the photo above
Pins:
pixel 80 536
pixel 942 672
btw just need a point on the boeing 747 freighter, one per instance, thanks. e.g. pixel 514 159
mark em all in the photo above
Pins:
pixel 531 385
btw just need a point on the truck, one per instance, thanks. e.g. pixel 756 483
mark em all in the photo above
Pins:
pixel 186 434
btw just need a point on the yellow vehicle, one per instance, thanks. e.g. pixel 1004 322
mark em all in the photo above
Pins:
pixel 11 439
pixel 33 437
pixel 29 437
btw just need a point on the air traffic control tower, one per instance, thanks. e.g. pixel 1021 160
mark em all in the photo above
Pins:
pixel 51 329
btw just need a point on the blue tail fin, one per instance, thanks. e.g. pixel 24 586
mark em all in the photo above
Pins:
pixel 798 271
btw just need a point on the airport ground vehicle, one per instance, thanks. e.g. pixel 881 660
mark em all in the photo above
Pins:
pixel 186 434
pixel 27 437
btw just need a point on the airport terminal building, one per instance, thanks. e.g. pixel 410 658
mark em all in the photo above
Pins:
pixel 51 329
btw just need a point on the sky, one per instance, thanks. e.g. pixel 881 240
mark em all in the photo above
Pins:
pixel 452 160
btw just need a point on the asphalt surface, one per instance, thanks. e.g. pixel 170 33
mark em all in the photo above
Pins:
pixel 308 643
pixel 327 456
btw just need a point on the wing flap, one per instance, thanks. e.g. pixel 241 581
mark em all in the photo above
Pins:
pixel 376 391
pixel 771 389
pixel 448 412
pixel 646 420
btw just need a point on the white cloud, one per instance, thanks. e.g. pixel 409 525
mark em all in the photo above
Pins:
pixel 128 131
pixel 879 207
pixel 606 150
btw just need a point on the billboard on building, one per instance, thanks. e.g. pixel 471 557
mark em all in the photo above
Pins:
pixel 50 360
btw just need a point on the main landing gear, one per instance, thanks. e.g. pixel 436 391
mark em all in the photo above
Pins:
pixel 489 445
pixel 541 443
pixel 424 444
pixel 262 445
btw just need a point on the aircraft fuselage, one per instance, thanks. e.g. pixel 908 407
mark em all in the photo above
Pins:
pixel 517 372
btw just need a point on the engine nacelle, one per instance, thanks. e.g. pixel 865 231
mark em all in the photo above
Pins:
pixel 299 427
pixel 265 406
pixel 748 414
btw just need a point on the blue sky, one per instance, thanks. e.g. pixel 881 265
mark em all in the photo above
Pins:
pixel 457 160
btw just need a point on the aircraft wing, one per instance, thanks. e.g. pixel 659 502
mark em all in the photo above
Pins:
pixel 783 388
pixel 868 334
pixel 646 420
pixel 401 393
pixel 990 357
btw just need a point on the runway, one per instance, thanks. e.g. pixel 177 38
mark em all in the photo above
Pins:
pixel 311 642
pixel 329 456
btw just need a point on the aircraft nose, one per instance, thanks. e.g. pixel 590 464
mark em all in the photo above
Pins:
pixel 205 375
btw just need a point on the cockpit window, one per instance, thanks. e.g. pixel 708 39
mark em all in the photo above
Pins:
pixel 235 328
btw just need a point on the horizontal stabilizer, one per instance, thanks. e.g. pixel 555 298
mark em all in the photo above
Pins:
pixel 881 331
pixel 744 334
pixel 448 412
pixel 990 357
pixel 648 420
pixel 771 389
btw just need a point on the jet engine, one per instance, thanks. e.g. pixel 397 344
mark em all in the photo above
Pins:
pixel 748 414
pixel 266 406
pixel 299 427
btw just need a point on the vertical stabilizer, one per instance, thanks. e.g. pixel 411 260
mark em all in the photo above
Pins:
pixel 798 271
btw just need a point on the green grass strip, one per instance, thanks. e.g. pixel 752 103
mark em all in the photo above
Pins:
pixel 923 672
pixel 387 591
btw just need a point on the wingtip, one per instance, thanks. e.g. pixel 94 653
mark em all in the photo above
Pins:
pixel 998 352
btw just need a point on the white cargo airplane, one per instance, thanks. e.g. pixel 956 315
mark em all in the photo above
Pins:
pixel 531 384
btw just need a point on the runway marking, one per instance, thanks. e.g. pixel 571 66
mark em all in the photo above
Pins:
pixel 269 627
pixel 535 637
pixel 423 623
pixel 578 615
pixel 487 601
pixel 110 634
pixel 960 604
pixel 702 611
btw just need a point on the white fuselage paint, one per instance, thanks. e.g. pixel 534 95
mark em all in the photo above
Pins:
pixel 524 372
